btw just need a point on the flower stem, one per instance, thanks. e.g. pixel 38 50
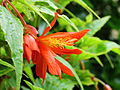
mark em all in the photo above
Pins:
pixel 19 15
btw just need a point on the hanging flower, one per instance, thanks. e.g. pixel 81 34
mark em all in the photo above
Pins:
pixel 51 45
pixel 44 48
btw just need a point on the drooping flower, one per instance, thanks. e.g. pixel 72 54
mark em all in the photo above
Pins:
pixel 44 48
pixel 50 46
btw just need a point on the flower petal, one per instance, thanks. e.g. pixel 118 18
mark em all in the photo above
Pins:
pixel 71 35
pixel 31 42
pixel 27 53
pixel 41 68
pixel 66 51
pixel 46 54
pixel 51 24
pixel 65 69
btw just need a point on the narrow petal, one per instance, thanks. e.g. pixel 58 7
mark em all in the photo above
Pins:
pixel 51 24
pixel 46 54
pixel 66 51
pixel 27 53
pixel 64 69
pixel 31 42
pixel 71 35
pixel 41 68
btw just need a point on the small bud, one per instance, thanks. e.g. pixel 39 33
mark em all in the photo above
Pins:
pixel 107 87
pixel 59 11
pixel 28 29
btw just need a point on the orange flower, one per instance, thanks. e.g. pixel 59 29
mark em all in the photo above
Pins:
pixel 50 46
pixel 30 45
pixel 43 49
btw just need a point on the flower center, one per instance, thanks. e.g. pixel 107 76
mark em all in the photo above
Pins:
pixel 59 42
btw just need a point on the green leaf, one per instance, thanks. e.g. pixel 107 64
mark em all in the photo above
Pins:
pixel 86 76
pixel 116 50
pixel 35 9
pixel 13 30
pixel 54 83
pixel 89 18
pixel 28 71
pixel 80 2
pixel 64 3
pixel 66 20
pixel 5 71
pixel 33 87
pixel 70 67
pixel 96 25
pixel 92 47
pixel 6 64
pixel 25 10
pixel 46 1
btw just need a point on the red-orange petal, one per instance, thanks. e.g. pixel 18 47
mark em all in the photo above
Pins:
pixel 27 53
pixel 65 69
pixel 72 35
pixel 41 68
pixel 51 24
pixel 66 51
pixel 30 42
pixel 48 57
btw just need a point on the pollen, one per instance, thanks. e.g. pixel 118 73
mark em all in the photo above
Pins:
pixel 59 42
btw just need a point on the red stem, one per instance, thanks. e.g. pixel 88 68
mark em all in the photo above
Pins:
pixel 7 7
pixel 19 15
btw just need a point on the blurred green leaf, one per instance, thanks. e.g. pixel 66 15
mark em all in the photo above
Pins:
pixel 33 87
pixel 5 71
pixel 89 18
pixel 13 30
pixel 85 77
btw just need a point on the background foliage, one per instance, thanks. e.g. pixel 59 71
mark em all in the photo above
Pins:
pixel 101 49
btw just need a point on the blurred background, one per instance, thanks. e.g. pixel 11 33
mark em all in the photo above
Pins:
pixel 110 31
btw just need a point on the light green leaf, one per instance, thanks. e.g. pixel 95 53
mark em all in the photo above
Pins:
pixel 13 30
pixel 89 18
pixel 70 67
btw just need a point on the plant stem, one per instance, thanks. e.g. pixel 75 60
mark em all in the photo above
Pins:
pixel 82 65
pixel 19 15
